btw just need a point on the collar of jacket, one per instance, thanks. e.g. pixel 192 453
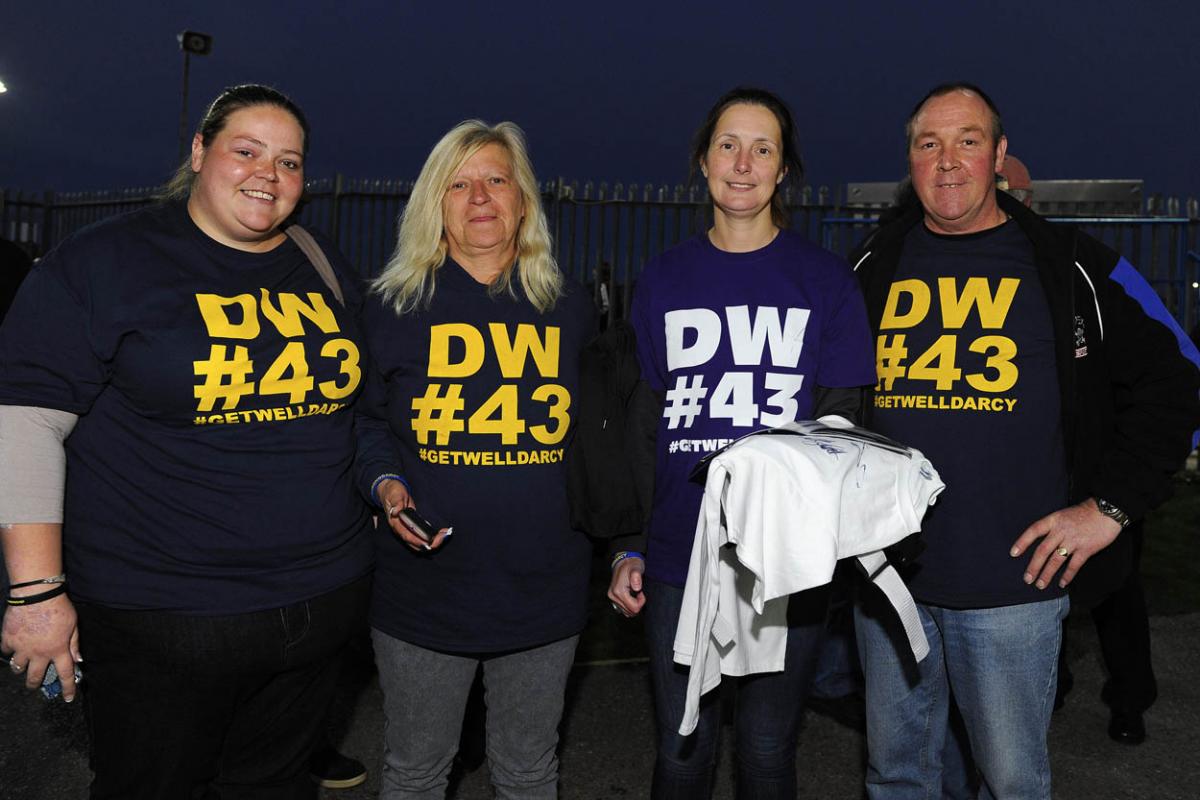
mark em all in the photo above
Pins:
pixel 895 224
pixel 1054 247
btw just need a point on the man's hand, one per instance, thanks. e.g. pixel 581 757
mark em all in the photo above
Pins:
pixel 1071 535
pixel 625 588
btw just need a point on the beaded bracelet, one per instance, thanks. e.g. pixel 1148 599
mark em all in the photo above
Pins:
pixel 37 598
pixel 60 578
pixel 387 476
pixel 624 554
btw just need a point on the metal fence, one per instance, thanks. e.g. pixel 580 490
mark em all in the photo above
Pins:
pixel 604 234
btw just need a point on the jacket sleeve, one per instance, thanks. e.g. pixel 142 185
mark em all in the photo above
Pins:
pixel 1154 370
pixel 635 542
pixel 845 401
pixel 376 451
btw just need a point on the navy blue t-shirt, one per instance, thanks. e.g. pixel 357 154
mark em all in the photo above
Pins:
pixel 211 469
pixel 965 356
pixel 735 342
pixel 472 401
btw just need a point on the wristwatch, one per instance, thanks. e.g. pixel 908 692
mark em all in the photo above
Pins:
pixel 1112 512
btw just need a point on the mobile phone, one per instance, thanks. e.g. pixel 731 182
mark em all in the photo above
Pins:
pixel 52 683
pixel 418 524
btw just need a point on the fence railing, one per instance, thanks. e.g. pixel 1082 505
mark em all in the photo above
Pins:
pixel 604 234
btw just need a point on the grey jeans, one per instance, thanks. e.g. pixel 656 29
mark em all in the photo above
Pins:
pixel 425 697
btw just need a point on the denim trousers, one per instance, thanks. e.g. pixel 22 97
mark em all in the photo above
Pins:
pixel 999 665
pixel 229 706
pixel 424 700
pixel 767 711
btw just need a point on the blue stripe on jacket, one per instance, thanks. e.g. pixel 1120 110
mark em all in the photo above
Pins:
pixel 1137 288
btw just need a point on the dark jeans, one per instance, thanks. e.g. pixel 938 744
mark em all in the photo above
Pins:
pixel 212 707
pixel 767 716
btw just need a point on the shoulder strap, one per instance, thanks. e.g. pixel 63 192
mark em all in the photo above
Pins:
pixel 320 262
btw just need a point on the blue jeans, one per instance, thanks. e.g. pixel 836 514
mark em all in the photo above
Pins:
pixel 1001 666
pixel 424 699
pixel 219 706
pixel 838 673
pixel 767 717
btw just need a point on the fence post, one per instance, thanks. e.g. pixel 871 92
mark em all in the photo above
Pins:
pixel 336 223
pixel 47 221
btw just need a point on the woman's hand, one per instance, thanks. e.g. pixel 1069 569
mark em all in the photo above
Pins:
pixel 395 498
pixel 625 588
pixel 39 634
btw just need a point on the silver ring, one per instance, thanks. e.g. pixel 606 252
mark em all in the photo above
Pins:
pixel 1063 552
pixel 16 667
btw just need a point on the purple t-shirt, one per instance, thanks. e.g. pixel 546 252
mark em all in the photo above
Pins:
pixel 736 342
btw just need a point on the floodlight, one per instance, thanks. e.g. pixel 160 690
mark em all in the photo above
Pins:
pixel 193 42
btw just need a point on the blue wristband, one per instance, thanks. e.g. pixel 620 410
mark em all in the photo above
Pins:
pixel 624 554
pixel 387 476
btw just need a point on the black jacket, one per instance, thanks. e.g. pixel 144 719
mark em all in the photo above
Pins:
pixel 610 461
pixel 1130 398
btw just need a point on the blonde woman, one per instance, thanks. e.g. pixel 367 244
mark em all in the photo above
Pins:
pixel 475 339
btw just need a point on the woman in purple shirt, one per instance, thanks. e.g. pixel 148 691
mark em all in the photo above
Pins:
pixel 742 327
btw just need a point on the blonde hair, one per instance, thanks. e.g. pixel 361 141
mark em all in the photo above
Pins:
pixel 410 276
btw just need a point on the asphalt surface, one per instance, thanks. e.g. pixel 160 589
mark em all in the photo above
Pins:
pixel 607 740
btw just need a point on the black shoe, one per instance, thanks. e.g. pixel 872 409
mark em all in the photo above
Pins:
pixel 333 770
pixel 1126 728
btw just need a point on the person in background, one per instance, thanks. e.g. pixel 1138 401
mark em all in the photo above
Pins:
pixel 14 266
pixel 698 311
pixel 1014 178
pixel 1056 396
pixel 475 338
pixel 177 449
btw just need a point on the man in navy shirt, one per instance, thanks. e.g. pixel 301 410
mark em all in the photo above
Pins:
pixel 1056 396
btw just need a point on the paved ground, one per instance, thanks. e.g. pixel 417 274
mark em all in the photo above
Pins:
pixel 607 738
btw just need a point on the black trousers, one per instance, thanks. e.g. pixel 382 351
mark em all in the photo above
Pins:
pixel 212 707
pixel 1123 627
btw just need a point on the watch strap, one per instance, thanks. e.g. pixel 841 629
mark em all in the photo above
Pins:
pixel 1112 512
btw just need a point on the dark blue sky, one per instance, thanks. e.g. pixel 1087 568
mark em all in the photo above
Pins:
pixel 608 92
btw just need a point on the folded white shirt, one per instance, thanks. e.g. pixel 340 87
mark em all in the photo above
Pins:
pixel 780 508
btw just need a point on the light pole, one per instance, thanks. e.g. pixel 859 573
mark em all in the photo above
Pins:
pixel 200 44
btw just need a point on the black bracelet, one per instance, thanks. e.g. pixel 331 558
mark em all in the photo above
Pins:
pixel 37 598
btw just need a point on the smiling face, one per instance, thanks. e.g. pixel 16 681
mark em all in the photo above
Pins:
pixel 248 178
pixel 744 161
pixel 953 163
pixel 482 211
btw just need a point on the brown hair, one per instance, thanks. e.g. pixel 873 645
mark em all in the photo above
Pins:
pixel 749 95
pixel 233 99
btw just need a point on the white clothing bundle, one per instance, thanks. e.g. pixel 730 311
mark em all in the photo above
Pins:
pixel 790 502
